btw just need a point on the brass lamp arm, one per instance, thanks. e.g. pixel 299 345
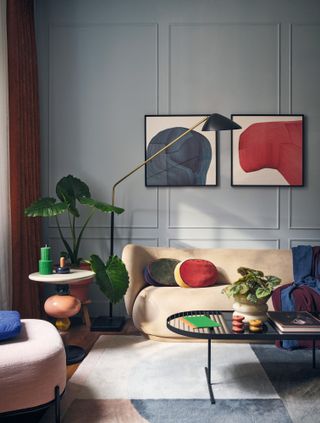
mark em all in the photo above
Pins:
pixel 153 156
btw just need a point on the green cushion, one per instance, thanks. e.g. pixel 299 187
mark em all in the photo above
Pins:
pixel 161 272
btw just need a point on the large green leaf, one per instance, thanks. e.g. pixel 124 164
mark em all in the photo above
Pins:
pixel 262 292
pixel 69 189
pixel 45 207
pixel 252 298
pixel 112 277
pixel 244 271
pixel 99 205
pixel 272 280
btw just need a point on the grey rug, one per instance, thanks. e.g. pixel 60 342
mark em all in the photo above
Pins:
pixel 127 379
pixel 293 377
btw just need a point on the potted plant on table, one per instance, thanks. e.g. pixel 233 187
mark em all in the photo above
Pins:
pixel 251 293
pixel 111 276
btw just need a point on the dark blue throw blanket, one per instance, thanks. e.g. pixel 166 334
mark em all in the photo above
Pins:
pixel 306 272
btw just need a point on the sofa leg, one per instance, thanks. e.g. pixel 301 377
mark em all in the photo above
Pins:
pixel 57 404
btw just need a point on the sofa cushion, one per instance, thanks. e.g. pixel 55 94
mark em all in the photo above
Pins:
pixel 161 272
pixel 196 273
pixel 10 324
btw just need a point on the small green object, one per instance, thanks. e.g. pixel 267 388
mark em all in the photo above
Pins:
pixel 45 253
pixel 45 262
pixel 45 267
pixel 201 322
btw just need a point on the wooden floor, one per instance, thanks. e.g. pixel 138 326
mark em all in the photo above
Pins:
pixel 82 336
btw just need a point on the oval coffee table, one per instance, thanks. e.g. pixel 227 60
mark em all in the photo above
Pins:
pixel 224 331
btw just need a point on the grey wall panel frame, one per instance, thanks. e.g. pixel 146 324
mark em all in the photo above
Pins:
pixel 225 243
pixel 304 70
pixel 199 225
pixel 150 220
pixel 294 242
pixel 193 33
pixel 275 26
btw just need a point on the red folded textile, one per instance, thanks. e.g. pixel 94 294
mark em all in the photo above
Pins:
pixel 305 299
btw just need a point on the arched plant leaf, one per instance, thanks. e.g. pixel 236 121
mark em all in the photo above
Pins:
pixel 112 277
pixel 99 205
pixel 45 207
pixel 69 189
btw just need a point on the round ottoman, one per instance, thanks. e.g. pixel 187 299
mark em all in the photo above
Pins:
pixel 32 368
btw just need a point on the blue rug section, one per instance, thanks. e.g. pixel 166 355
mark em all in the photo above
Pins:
pixel 294 379
pixel 202 411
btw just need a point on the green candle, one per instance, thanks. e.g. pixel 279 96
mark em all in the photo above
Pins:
pixel 45 253
pixel 45 262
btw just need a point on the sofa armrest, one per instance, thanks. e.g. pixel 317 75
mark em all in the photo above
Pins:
pixel 135 257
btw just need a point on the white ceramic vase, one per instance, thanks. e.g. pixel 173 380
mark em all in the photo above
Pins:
pixel 250 311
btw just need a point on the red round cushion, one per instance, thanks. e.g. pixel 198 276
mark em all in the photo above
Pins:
pixel 198 273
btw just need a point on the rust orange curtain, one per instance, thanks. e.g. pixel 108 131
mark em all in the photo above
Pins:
pixel 24 145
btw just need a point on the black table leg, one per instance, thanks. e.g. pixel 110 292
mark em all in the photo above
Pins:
pixel 208 373
pixel 313 354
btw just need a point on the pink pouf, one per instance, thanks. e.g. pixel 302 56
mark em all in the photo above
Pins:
pixel 32 366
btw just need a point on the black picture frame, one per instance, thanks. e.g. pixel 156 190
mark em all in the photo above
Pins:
pixel 185 164
pixel 268 150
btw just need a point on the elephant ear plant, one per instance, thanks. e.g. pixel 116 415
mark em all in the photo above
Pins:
pixel 111 276
pixel 253 287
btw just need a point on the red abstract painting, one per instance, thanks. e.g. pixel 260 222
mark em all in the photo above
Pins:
pixel 275 144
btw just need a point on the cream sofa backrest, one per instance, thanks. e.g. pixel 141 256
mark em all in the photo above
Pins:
pixel 271 262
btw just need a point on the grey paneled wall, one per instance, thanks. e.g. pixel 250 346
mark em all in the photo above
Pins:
pixel 103 65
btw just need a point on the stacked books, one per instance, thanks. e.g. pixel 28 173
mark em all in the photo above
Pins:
pixel 294 321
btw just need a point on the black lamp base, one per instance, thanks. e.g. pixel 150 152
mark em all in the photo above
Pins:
pixel 108 324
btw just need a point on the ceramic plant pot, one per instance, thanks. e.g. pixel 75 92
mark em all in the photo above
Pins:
pixel 250 311
pixel 80 289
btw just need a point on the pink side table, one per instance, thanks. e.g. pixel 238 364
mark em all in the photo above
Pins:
pixel 62 305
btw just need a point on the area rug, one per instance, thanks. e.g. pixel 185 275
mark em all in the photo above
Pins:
pixel 128 379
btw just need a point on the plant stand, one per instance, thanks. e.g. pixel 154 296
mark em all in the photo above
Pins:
pixel 108 323
pixel 62 306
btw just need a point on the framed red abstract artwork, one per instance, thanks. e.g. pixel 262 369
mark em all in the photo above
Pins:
pixel 267 151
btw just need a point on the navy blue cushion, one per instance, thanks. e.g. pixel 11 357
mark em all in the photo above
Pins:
pixel 10 324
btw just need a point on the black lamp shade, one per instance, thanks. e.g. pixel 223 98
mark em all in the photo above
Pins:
pixel 218 122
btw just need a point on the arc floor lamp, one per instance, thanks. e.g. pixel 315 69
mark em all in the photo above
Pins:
pixel 214 122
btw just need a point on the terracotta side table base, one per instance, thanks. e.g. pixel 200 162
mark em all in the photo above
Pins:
pixel 62 306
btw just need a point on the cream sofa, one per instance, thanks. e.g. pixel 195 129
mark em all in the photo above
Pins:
pixel 150 306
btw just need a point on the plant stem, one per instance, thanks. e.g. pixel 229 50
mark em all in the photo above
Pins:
pixel 67 246
pixel 76 248
pixel 72 230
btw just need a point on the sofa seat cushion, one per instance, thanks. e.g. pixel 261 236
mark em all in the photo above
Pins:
pixel 154 305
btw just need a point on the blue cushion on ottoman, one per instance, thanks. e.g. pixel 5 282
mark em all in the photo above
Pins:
pixel 10 324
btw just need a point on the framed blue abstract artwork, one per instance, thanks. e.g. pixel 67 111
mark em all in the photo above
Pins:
pixel 191 161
